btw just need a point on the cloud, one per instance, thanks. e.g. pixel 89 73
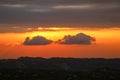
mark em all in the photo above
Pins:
pixel 66 13
pixel 56 2
pixel 80 38
pixel 16 29
pixel 19 29
pixel 37 40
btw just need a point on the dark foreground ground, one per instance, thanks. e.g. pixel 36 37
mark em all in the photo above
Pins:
pixel 36 74
pixel 28 68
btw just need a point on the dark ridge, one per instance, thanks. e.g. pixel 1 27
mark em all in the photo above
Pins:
pixel 69 64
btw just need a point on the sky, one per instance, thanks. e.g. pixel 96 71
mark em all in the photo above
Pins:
pixel 60 28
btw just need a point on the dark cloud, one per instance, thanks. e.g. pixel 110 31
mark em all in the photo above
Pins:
pixel 16 29
pixel 56 2
pixel 37 40
pixel 80 38
pixel 68 13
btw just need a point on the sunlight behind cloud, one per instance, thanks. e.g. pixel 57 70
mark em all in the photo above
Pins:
pixel 52 29
pixel 74 6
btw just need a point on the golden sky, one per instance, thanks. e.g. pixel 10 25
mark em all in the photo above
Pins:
pixel 106 45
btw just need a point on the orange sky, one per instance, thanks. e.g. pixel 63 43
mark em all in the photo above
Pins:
pixel 48 21
pixel 106 45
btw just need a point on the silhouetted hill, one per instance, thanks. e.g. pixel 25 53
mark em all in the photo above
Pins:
pixel 71 64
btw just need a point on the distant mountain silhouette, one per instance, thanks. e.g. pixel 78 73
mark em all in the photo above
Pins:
pixel 73 64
